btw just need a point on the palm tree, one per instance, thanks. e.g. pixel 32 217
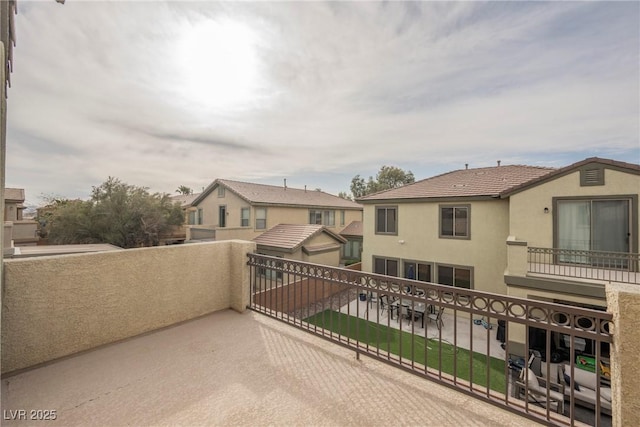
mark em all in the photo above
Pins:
pixel 183 189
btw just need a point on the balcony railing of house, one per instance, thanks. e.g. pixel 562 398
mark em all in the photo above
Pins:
pixel 478 343
pixel 592 265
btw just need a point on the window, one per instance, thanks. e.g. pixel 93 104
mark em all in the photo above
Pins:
pixel 417 271
pixel 601 224
pixel 386 220
pixel 192 217
pixel 221 191
pixel 385 266
pixel 200 215
pixel 322 217
pixel 244 217
pixel 342 217
pixel 459 277
pixel 222 219
pixel 351 249
pixel 261 218
pixel 454 221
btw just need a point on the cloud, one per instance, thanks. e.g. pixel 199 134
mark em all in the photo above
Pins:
pixel 314 91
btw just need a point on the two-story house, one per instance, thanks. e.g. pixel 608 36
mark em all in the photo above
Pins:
pixel 549 234
pixel 243 210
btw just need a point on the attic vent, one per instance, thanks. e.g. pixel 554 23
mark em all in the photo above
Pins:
pixel 459 185
pixel 592 175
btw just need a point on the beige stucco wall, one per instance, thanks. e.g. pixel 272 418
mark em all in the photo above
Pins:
pixel 56 306
pixel 530 223
pixel 418 228
pixel 624 302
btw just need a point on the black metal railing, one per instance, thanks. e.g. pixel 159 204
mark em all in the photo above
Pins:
pixel 478 343
pixel 593 265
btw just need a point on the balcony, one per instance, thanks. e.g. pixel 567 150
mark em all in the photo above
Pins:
pixel 229 368
pixel 584 265
pixel 144 336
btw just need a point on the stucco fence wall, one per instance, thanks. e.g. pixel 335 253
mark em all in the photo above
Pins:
pixel 60 305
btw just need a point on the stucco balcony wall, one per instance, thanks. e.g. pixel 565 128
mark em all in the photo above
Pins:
pixel 60 305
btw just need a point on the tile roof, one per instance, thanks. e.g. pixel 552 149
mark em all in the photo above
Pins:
pixel 353 229
pixel 16 194
pixel 292 236
pixel 185 200
pixel 479 182
pixel 607 163
pixel 279 195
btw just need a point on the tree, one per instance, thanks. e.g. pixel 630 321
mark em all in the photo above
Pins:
pixel 117 213
pixel 344 195
pixel 388 177
pixel 184 190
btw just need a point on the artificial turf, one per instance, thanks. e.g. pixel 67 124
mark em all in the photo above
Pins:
pixel 438 355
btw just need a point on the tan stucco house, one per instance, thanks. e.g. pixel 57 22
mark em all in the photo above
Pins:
pixel 464 228
pixel 17 230
pixel 556 235
pixel 243 210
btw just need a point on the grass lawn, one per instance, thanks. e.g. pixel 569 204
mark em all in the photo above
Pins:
pixel 414 348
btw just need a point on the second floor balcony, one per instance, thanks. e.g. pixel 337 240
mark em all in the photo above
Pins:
pixel 148 331
pixel 581 264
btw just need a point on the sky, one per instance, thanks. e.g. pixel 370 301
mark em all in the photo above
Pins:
pixel 167 93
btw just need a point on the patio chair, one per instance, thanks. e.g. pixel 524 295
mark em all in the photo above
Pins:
pixel 384 303
pixel 437 317
pixel 407 313
pixel 536 389
pixel 373 299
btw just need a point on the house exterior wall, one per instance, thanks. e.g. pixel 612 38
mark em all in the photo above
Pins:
pixel 528 221
pixel 60 305
pixel 275 215
pixel 418 228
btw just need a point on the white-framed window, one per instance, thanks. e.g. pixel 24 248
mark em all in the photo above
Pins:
pixel 455 221
pixel 387 220
pixel 200 215
pixel 342 217
pixel 261 218
pixel 221 191
pixel 245 214
pixel 192 217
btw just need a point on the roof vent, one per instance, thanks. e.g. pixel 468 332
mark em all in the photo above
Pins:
pixel 498 162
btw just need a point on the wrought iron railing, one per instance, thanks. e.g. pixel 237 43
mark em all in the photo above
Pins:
pixel 593 265
pixel 396 321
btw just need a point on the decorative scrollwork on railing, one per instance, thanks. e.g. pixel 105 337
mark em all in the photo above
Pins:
pixel 575 320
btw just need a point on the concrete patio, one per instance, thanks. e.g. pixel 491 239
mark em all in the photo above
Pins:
pixel 365 309
pixel 236 369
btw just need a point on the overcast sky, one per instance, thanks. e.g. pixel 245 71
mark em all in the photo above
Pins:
pixel 163 94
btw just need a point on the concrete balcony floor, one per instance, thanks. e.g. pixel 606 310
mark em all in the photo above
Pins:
pixel 236 369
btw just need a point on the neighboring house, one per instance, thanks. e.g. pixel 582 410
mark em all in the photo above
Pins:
pixel 13 204
pixel 191 214
pixel 302 242
pixel 352 250
pixel 479 229
pixel 19 231
pixel 243 210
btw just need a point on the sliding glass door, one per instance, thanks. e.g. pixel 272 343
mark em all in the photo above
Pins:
pixel 593 225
